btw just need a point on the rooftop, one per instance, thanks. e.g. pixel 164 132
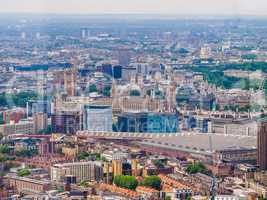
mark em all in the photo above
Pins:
pixel 203 143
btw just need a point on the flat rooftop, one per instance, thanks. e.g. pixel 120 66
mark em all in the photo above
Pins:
pixel 203 143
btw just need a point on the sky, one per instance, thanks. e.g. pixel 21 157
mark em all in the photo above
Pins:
pixel 173 7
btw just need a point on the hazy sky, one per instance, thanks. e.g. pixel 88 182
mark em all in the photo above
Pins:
pixel 178 7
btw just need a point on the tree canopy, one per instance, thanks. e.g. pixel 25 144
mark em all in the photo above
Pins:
pixel 128 182
pixel 152 181
pixel 4 149
pixel 19 99
pixel 135 93
pixel 92 88
pixel 24 172
pixel 196 168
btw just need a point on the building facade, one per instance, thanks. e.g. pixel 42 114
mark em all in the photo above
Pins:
pixel 88 171
pixel 67 122
pixel 148 122
pixel 262 145
pixel 97 118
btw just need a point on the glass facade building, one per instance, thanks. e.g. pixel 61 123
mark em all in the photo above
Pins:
pixel 148 122
pixel 97 118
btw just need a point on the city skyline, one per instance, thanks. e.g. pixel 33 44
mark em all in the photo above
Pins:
pixel 172 7
pixel 138 100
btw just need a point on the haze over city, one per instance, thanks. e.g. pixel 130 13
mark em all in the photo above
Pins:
pixel 177 7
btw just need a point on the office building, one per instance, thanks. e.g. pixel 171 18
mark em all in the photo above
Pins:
pixel 124 56
pixel 117 71
pixel 148 122
pixel 112 71
pixel 83 171
pixel 107 69
pixel 202 124
pixel 134 163
pixel 38 106
pixel 162 123
pixel 67 122
pixel 128 73
pixel 116 167
pixel 40 122
pixel 70 78
pixel 262 145
pixel 13 115
pixel 189 122
pixel 23 127
pixel 28 185
pixel 98 118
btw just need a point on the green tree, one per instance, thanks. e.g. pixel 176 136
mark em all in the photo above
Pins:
pixel 135 93
pixel 196 167
pixel 93 156
pixel 128 182
pixel 249 56
pixel 83 184
pixel 1 118
pixel 168 198
pixel 47 131
pixel 82 155
pixel 152 181
pixel 22 98
pixel 188 198
pixel 92 88
pixel 106 91
pixel 24 172
pixel 19 99
pixel 262 198
pixel 158 163
pixel 26 153
pixel 4 158
pixel 4 149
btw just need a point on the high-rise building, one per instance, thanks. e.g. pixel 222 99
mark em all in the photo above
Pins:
pixel 38 106
pixel 116 167
pixel 67 122
pixel 107 172
pixel 97 118
pixel 84 33
pixel 112 71
pixel 40 122
pixel 262 145
pixel 128 73
pixel 117 71
pixel 70 78
pixel 107 69
pixel 124 56
pixel 134 163
pixel 202 124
